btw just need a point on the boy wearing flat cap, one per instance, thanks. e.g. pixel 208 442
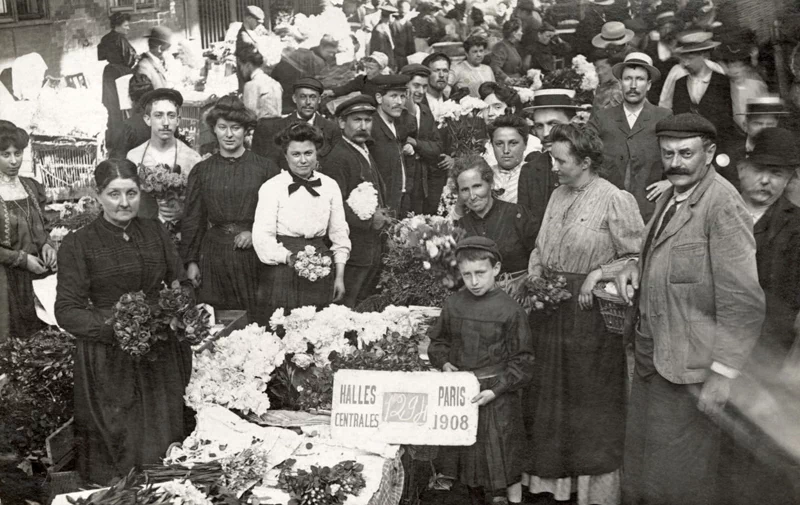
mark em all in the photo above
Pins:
pixel 350 164
pixel 700 310
pixel 484 331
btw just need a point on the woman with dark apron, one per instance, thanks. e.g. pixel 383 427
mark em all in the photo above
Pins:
pixel 576 403
pixel 298 208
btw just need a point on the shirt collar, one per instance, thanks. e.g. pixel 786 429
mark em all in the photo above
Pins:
pixel 629 112
pixel 310 121
pixel 682 197
pixel 497 168
pixel 362 149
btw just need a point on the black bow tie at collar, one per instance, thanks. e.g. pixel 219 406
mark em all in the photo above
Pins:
pixel 299 182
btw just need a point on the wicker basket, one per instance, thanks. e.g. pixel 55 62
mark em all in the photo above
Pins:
pixel 65 163
pixel 613 308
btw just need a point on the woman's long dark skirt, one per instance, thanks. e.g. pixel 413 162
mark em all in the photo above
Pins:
pixel 575 405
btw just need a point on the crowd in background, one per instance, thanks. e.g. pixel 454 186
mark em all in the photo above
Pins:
pixel 680 190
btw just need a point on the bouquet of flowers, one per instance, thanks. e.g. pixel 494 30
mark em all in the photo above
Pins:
pixel 312 265
pixel 464 123
pixel 433 240
pixel 162 182
pixel 322 486
pixel 139 324
pixel 235 374
pixel 580 77
pixel 540 293
pixel 363 200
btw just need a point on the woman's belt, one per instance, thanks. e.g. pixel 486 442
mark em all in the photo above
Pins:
pixel 490 371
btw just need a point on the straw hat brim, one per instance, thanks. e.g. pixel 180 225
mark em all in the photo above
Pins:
pixel 652 71
pixel 599 42
pixel 536 107
pixel 696 48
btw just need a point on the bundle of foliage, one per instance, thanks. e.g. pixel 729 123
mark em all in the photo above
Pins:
pixel 37 399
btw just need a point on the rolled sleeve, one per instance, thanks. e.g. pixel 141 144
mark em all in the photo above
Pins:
pixel 338 231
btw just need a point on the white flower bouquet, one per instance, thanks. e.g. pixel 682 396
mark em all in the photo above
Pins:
pixel 363 200
pixel 235 374
pixel 312 265
pixel 464 122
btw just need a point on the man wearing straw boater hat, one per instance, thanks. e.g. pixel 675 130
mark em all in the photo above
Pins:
pixel 631 158
pixel 760 113
pixel 703 91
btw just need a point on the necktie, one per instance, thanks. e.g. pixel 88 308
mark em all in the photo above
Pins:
pixel 304 183
pixel 654 234
pixel 667 217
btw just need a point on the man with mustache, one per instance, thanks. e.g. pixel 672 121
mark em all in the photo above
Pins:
pixel 162 113
pixel 425 140
pixel 394 156
pixel 763 177
pixel 306 94
pixel 350 164
pixel 439 65
pixel 628 131
pixel 700 309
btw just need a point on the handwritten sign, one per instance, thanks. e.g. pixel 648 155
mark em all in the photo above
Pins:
pixel 421 408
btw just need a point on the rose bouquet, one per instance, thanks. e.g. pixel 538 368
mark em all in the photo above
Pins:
pixel 363 200
pixel 535 294
pixel 162 182
pixel 322 486
pixel 433 240
pixel 140 323
pixel 464 124
pixel 312 265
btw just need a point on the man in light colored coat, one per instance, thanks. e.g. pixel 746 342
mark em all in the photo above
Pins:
pixel 631 158
pixel 700 313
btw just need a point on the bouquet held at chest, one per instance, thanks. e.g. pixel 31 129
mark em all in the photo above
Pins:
pixel 464 122
pixel 140 323
pixel 162 182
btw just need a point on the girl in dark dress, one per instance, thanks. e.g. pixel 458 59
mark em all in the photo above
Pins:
pixel 509 225
pixel 127 412
pixel 298 208
pixel 221 198
pixel 25 246
pixel 484 331
pixel 121 57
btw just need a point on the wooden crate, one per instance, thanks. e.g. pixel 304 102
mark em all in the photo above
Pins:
pixel 61 446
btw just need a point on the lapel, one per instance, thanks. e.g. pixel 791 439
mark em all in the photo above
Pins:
pixel 644 117
pixel 621 119
pixel 385 128
pixel 685 212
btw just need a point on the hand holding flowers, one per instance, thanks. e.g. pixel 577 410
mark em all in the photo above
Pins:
pixel 363 200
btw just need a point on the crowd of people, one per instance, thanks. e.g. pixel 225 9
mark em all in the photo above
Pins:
pixel 680 190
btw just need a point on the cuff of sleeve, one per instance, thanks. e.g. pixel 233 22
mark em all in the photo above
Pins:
pixel 22 257
pixel 341 257
pixel 499 389
pixel 724 370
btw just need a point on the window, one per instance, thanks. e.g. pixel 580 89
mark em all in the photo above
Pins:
pixel 14 11
pixel 131 5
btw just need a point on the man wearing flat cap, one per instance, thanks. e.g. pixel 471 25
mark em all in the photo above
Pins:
pixel 424 139
pixel 628 131
pixel 381 39
pixel 395 157
pixel 306 94
pixel 153 63
pixel 350 164
pixel 700 310
pixel 745 476
pixel 162 113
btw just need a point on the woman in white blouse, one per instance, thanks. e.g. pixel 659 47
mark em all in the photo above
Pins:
pixel 298 208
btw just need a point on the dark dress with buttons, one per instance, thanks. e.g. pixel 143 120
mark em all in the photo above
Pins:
pixel 511 227
pixel 221 199
pixel 127 412
pixel 490 332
